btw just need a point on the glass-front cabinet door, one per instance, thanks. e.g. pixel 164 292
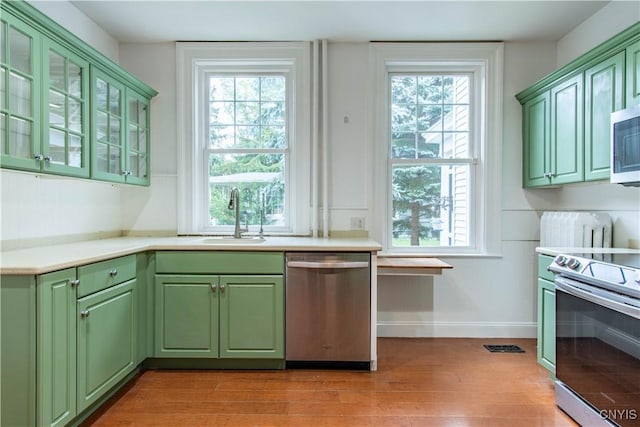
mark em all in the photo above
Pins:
pixel 66 139
pixel 107 160
pixel 19 95
pixel 137 160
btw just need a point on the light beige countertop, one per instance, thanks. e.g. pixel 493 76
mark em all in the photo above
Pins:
pixel 45 259
pixel 553 251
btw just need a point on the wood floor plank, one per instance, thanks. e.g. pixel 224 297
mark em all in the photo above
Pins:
pixel 421 382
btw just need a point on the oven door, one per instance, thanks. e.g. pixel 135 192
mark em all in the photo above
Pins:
pixel 597 354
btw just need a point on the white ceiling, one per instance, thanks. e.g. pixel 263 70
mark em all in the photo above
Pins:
pixel 337 20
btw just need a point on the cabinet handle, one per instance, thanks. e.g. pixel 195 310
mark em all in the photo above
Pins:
pixel 221 288
pixel 214 287
pixel 113 272
pixel 85 313
pixel 47 159
pixel 38 157
pixel 75 283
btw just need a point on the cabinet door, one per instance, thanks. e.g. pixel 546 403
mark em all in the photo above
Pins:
pixel 547 325
pixel 106 340
pixel 252 317
pixel 186 316
pixel 567 143
pixel 107 157
pixel 632 84
pixel 536 141
pixel 56 366
pixel 603 91
pixel 137 139
pixel 20 80
pixel 66 107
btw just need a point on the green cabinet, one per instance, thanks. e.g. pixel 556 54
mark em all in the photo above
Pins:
pixel 56 343
pixel 20 92
pixel 120 131
pixel 186 316
pixel 107 346
pixel 220 316
pixel 64 108
pixel 603 95
pixel 632 85
pixel 217 304
pixel 65 140
pixel 546 348
pixel 552 135
pixel 566 115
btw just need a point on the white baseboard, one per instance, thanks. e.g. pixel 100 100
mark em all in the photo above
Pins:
pixel 457 329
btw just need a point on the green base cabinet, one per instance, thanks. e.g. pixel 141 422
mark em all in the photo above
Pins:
pixel 252 317
pixel 209 316
pixel 57 347
pixel 107 347
pixel 186 316
pixel 546 351
pixel 219 304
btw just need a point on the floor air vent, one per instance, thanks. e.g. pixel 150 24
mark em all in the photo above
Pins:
pixel 504 348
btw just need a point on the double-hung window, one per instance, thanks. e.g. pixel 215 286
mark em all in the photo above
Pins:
pixel 243 123
pixel 438 137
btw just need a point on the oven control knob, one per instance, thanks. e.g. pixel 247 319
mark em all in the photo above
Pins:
pixel 636 276
pixel 561 260
pixel 573 263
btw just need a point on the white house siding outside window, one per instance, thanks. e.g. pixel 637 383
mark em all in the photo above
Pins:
pixel 437 130
pixel 244 123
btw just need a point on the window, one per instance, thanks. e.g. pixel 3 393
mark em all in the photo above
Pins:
pixel 245 125
pixel 437 133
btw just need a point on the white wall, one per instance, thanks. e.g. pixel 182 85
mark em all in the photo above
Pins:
pixel 479 297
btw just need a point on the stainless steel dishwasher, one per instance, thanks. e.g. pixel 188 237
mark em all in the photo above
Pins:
pixel 328 305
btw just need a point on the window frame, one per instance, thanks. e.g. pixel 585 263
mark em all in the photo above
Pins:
pixel 485 62
pixel 195 60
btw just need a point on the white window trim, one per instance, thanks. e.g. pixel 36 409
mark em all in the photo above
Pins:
pixel 192 61
pixel 485 58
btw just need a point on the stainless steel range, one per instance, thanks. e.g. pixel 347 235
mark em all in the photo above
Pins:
pixel 598 338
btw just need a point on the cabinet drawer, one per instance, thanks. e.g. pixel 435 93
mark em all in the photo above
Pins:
pixel 543 262
pixel 104 274
pixel 217 262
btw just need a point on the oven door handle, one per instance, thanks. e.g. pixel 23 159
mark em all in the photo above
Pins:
pixel 566 286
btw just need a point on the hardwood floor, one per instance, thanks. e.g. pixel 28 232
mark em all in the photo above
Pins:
pixel 419 382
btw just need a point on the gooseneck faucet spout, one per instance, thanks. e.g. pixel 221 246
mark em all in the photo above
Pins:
pixel 234 203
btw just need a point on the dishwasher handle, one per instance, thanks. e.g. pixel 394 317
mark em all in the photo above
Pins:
pixel 327 264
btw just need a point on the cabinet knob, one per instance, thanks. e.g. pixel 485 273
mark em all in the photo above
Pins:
pixel 47 159
pixel 75 283
pixel 113 272
pixel 85 313
pixel 214 287
pixel 222 288
pixel 38 157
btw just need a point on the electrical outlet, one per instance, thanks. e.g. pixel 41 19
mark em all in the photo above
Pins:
pixel 357 223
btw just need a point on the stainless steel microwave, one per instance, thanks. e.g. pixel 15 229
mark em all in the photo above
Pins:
pixel 625 146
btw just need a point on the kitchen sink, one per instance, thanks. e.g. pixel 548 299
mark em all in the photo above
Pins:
pixel 230 240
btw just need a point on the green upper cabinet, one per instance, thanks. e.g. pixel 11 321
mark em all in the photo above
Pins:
pixel 632 85
pixel 20 79
pixel 603 94
pixel 566 116
pixel 552 135
pixel 65 108
pixel 65 147
pixel 137 138
pixel 120 131
pixel 108 128
pixel 536 140
pixel 566 132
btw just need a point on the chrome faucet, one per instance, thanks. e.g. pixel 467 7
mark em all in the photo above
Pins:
pixel 234 202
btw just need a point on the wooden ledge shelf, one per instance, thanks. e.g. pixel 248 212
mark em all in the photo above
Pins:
pixel 398 266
